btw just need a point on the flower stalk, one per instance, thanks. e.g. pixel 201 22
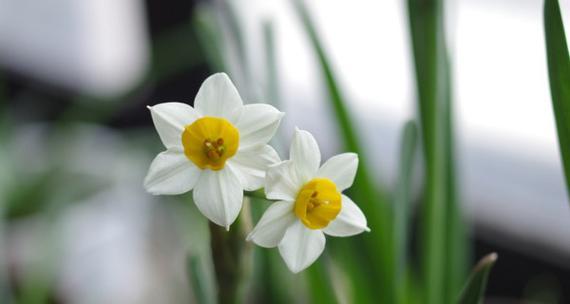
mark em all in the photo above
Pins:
pixel 231 257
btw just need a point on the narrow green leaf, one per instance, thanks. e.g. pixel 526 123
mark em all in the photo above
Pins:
pixel 559 74
pixel 474 290
pixel 376 247
pixel 271 75
pixel 272 91
pixel 425 29
pixel 195 278
pixel 229 10
pixel 273 281
pixel 357 271
pixel 320 284
pixel 457 245
pixel 443 238
pixel 208 36
pixel 402 205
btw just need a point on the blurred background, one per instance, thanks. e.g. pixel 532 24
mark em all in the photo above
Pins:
pixel 76 138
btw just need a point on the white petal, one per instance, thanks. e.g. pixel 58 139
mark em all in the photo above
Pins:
pixel 301 246
pixel 219 196
pixel 170 118
pixel 251 164
pixel 305 155
pixel 272 226
pixel 281 182
pixel 219 97
pixel 350 220
pixel 171 173
pixel 341 169
pixel 257 124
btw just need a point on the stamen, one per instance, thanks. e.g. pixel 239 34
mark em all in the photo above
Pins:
pixel 212 155
pixel 214 149
pixel 208 144
pixel 310 206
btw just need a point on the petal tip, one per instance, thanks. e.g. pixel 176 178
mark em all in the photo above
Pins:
pixel 153 193
pixel 220 75
pixel 295 269
pixel 352 154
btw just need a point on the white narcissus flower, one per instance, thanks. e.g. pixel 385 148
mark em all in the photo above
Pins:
pixel 310 203
pixel 218 149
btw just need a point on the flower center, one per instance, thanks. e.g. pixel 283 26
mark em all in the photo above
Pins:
pixel 210 141
pixel 318 203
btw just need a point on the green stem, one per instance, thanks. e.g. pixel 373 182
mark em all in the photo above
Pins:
pixel 230 255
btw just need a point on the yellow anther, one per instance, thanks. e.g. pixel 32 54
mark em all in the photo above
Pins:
pixel 214 149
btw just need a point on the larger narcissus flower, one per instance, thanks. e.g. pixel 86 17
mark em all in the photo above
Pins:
pixel 310 203
pixel 218 149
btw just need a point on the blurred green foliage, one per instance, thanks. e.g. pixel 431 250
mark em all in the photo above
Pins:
pixel 402 203
pixel 474 290
pixel 444 241
pixel 559 72
pixel 376 267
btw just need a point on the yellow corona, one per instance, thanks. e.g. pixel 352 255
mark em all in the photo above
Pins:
pixel 210 141
pixel 318 203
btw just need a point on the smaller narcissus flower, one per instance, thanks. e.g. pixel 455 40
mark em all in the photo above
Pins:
pixel 218 149
pixel 310 203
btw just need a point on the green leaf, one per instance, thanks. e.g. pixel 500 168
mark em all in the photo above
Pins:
pixel 236 36
pixel 271 72
pixel 559 74
pixel 474 290
pixel 208 37
pixel 273 279
pixel 377 246
pixel 195 278
pixel 402 205
pixel 272 91
pixel 320 284
pixel 444 240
